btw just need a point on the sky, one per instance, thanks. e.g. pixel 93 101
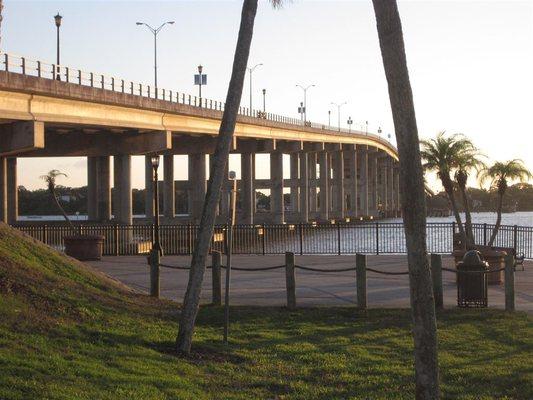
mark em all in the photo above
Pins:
pixel 470 63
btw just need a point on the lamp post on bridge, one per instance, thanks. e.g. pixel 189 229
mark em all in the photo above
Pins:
pixel 349 122
pixel 339 113
pixel 251 71
pixel 200 79
pixel 155 31
pixel 329 118
pixel 305 100
pixel 264 102
pixel 57 19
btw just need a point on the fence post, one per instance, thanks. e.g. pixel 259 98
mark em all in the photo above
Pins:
pixel 154 260
pixel 301 239
pixel 338 239
pixel 360 280
pixel 509 283
pixel 216 278
pixel 116 242
pixel 290 280
pixel 515 237
pixel 45 234
pixel 377 238
pixel 485 234
pixel 436 276
pixel 264 240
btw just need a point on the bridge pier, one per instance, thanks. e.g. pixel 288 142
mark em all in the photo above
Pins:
pixel 350 157
pixel 324 178
pixel 362 158
pixel 148 188
pixel 390 188
pixel 122 204
pixel 198 182
pixel 294 195
pixel 373 184
pixel 277 208
pixel 338 200
pixel 169 200
pixel 312 183
pixel 247 188
pixel 304 187
pixel 12 191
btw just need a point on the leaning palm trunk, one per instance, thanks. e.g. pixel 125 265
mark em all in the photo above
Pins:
pixel 469 233
pixel 498 220
pixel 217 176
pixel 62 210
pixel 413 198
pixel 448 188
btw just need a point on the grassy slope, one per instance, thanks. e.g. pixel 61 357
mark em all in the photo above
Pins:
pixel 67 332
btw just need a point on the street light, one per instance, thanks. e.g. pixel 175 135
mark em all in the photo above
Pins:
pixel 339 112
pixel 156 251
pixel 155 32
pixel 329 118
pixel 229 245
pixel 264 101
pixel 305 99
pixel 58 19
pixel 200 79
pixel 251 70
pixel 349 122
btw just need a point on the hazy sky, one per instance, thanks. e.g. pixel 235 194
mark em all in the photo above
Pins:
pixel 470 62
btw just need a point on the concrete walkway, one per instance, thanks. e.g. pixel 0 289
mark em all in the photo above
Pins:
pixel 312 288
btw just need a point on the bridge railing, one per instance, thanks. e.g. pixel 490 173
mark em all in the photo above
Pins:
pixel 26 66
pixel 344 238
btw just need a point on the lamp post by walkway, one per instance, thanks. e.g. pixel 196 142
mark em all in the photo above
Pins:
pixel 58 19
pixel 229 246
pixel 251 70
pixel 157 251
pixel 305 100
pixel 338 113
pixel 155 32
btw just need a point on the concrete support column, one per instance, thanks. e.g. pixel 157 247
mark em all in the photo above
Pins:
pixel 304 188
pixel 373 184
pixel 103 168
pixel 338 184
pixel 247 188
pixel 148 188
pixel 168 187
pixel 397 190
pixel 276 187
pixel 324 185
pixel 122 179
pixel 295 203
pixel 384 196
pixel 390 187
pixel 311 157
pixel 351 161
pixel 92 189
pixel 197 180
pixel 12 191
pixel 3 189
pixel 363 180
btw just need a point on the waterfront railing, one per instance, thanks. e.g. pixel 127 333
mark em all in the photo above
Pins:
pixel 343 238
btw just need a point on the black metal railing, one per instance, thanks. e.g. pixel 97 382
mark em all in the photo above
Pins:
pixel 349 238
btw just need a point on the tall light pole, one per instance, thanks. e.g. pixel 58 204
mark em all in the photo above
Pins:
pixel 329 118
pixel 156 251
pixel 58 19
pixel 338 113
pixel 305 99
pixel 200 79
pixel 251 70
pixel 264 101
pixel 155 32
pixel 349 122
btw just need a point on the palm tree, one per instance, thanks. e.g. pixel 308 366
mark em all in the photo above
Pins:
pixel 191 300
pixel 467 160
pixel 500 173
pixel 448 155
pixel 413 197
pixel 50 179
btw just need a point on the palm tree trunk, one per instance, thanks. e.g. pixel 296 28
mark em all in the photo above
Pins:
pixel 448 188
pixel 412 199
pixel 470 242
pixel 498 220
pixel 62 210
pixel 217 176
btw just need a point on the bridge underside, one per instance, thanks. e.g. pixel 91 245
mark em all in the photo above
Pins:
pixel 333 176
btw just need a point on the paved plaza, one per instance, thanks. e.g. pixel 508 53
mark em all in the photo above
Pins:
pixel 267 288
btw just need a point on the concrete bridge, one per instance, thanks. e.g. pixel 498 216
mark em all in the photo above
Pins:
pixel 55 111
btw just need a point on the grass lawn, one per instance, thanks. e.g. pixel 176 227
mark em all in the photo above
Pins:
pixel 67 332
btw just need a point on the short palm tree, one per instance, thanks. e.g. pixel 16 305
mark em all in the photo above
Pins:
pixel 50 179
pixel 217 176
pixel 448 156
pixel 499 174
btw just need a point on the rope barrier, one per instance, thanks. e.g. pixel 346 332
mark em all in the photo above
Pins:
pixel 387 273
pixel 473 272
pixel 254 269
pixel 324 270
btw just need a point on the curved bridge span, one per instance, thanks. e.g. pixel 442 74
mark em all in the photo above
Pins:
pixel 55 111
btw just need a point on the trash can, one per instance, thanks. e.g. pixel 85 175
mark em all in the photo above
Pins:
pixel 472 280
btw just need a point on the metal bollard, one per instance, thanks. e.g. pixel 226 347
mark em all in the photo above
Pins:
pixel 216 278
pixel 154 259
pixel 290 280
pixel 509 283
pixel 436 276
pixel 360 280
